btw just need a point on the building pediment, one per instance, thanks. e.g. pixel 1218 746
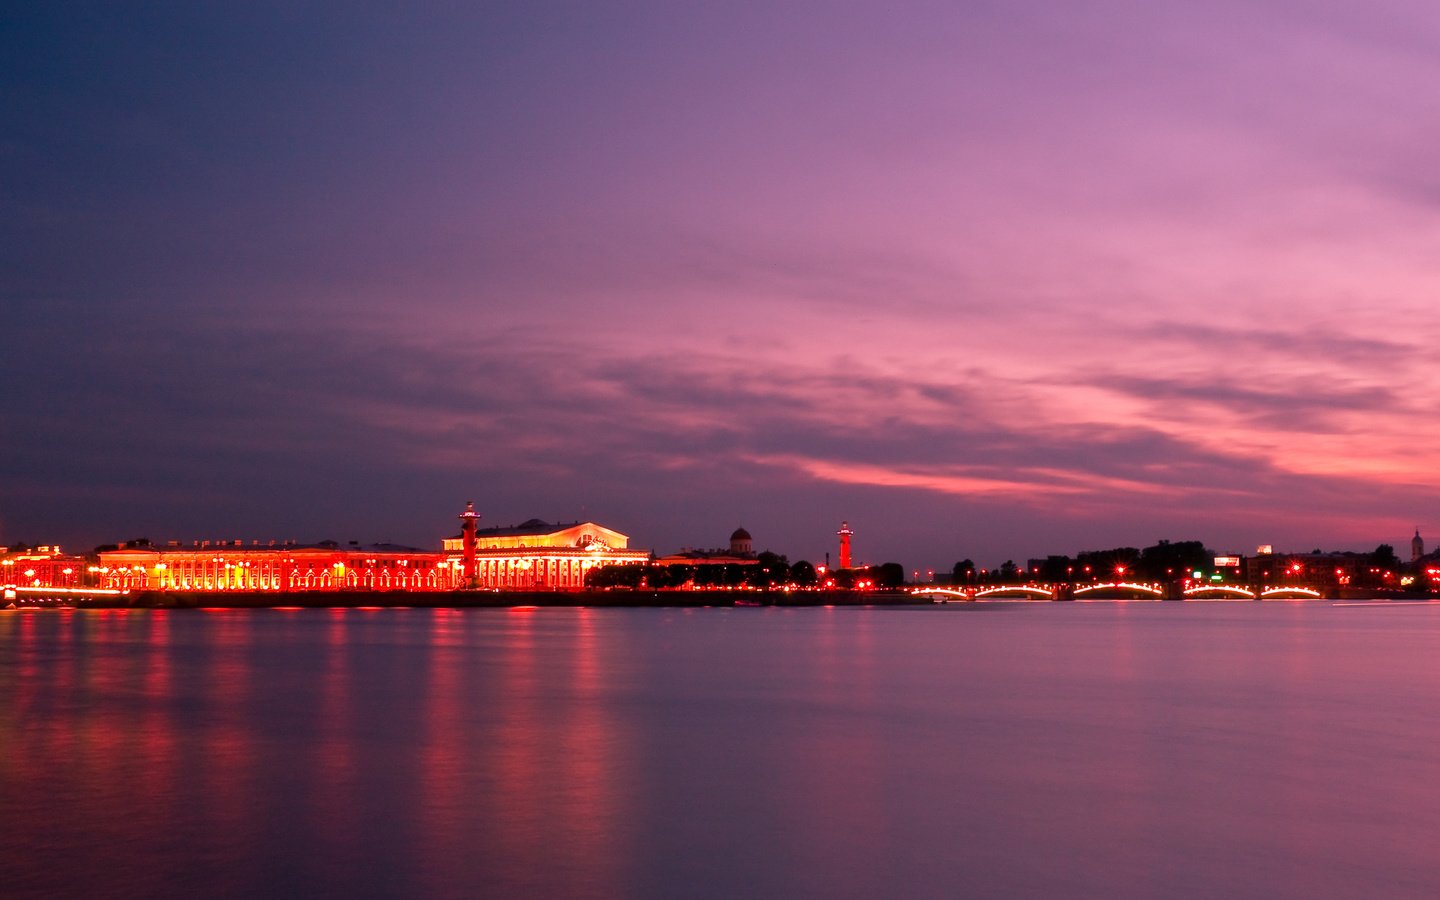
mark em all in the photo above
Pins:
pixel 536 533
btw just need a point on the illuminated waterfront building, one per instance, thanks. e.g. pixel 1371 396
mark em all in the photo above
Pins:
pixel 532 556
pixel 41 566
pixel 284 566
pixel 845 534
pixel 539 555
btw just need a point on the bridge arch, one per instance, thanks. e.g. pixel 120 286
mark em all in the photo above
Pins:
pixel 1148 591
pixel 1215 591
pixel 940 594
pixel 1025 590
pixel 1290 593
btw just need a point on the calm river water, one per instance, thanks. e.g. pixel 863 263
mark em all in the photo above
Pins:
pixel 1006 750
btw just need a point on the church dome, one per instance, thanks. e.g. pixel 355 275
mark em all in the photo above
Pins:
pixel 740 543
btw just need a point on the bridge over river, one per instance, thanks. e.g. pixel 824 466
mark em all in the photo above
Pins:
pixel 1118 590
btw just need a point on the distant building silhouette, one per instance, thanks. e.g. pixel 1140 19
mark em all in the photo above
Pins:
pixel 1417 547
pixel 740 553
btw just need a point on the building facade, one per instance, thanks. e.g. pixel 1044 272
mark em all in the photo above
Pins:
pixel 535 555
pixel 539 555
pixel 285 566
pixel 740 553
pixel 43 566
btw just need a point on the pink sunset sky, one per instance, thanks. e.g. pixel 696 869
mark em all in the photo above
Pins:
pixel 988 280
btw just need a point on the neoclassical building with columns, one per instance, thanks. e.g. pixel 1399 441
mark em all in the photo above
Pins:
pixel 534 555
pixel 274 566
pixel 539 555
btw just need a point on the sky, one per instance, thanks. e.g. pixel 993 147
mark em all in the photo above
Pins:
pixel 988 280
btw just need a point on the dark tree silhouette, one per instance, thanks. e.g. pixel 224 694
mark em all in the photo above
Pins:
pixel 888 575
pixel 804 574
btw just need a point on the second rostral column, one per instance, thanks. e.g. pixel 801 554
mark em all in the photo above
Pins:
pixel 468 526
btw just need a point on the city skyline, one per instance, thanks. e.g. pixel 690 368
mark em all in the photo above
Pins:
pixel 983 281
pixel 834 556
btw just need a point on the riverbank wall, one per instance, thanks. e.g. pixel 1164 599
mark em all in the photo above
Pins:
pixel 493 599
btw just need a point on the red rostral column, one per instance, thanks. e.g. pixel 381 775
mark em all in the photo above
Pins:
pixel 845 533
pixel 468 520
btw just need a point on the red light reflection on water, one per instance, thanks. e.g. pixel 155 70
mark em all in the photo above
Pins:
pixel 227 763
pixel 332 765
pixel 1144 749
pixel 518 749
pixel 86 733
pixel 172 729
pixel 523 751
pixel 445 757
pixel 595 745
pixel 157 729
